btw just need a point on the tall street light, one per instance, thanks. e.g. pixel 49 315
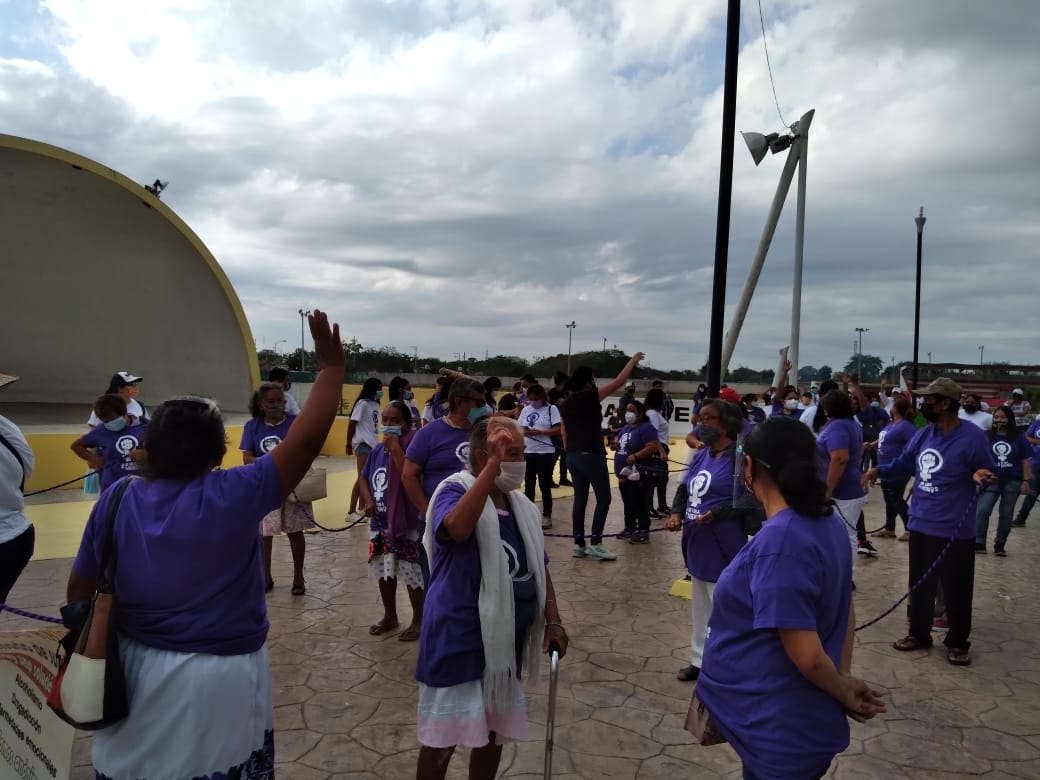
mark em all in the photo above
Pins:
pixel 303 319
pixel 570 326
pixel 859 352
pixel 982 351
pixel 415 358
pixel 280 341
pixel 920 220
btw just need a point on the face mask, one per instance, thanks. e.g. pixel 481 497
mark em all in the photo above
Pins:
pixel 408 395
pixel 116 425
pixel 476 414
pixel 929 413
pixel 1000 427
pixel 390 430
pixel 791 404
pixel 512 476
pixel 630 417
pixel 379 394
pixel 970 408
pixel 536 404
pixel 708 434
pixel 875 404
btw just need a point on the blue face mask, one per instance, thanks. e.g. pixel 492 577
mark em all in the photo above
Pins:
pixel 408 395
pixel 379 394
pixel 390 430
pixel 116 425
pixel 477 414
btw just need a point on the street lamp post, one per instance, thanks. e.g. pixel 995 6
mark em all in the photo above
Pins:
pixel 570 326
pixel 303 318
pixel 982 351
pixel 415 359
pixel 859 352
pixel 280 341
pixel 920 220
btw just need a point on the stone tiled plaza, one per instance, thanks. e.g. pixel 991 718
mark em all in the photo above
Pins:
pixel 346 700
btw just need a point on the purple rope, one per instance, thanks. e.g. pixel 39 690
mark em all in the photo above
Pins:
pixel 33 615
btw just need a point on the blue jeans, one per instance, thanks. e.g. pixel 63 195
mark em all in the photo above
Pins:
pixel 1028 501
pixel 1006 490
pixel 589 469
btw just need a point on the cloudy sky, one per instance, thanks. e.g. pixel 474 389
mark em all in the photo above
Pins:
pixel 467 176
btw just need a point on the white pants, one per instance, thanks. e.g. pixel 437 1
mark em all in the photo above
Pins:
pixel 701 595
pixel 850 509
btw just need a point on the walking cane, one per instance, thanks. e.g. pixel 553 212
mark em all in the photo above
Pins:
pixel 550 720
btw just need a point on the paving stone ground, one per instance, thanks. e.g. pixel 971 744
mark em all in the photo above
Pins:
pixel 346 700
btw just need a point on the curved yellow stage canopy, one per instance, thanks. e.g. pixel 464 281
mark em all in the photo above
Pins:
pixel 101 276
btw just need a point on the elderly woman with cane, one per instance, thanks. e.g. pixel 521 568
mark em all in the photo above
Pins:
pixel 490 607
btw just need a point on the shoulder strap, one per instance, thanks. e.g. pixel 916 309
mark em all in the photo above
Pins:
pixel 17 457
pixel 106 581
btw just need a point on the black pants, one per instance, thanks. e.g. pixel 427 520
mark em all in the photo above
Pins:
pixel 956 572
pixel 540 467
pixel 662 489
pixel 14 555
pixel 895 502
pixel 636 499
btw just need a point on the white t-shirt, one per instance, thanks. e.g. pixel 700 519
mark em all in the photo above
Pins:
pixel 13 521
pixel 982 419
pixel 539 419
pixel 292 406
pixel 366 415
pixel 660 424
pixel 809 415
pixel 133 408
pixel 1021 411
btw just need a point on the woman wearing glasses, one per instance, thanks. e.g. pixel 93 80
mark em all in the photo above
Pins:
pixel 192 615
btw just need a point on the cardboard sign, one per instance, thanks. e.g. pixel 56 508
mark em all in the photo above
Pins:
pixel 35 744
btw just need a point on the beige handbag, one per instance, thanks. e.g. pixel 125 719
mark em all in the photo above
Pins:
pixel 312 487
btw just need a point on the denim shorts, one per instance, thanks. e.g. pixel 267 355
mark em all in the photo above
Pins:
pixel 362 449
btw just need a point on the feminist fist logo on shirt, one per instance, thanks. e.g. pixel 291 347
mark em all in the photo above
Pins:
pixel 268 443
pixel 531 419
pixel 1002 450
pixel 698 487
pixel 379 486
pixel 462 453
pixel 622 442
pixel 125 444
pixel 513 562
pixel 928 463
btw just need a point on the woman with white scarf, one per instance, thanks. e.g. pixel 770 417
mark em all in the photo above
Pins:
pixel 490 606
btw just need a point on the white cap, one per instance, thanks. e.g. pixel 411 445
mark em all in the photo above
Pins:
pixel 1017 391
pixel 129 378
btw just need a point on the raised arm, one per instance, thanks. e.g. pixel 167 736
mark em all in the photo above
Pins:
pixel 611 387
pixel 307 434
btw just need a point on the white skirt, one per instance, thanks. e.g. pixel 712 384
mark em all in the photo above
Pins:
pixel 191 716
pixel 456 715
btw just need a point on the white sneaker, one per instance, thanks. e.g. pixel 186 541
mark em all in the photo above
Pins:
pixel 599 551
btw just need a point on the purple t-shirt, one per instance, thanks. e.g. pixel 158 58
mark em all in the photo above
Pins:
pixel 795 574
pixel 115 448
pixel 631 440
pixel 943 501
pixel 1033 432
pixel 708 548
pixel 1009 456
pixel 451 650
pixel 842 433
pixel 189 571
pixel 374 474
pixel 892 439
pixel 440 450
pixel 259 438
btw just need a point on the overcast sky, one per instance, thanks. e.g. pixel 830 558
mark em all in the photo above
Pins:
pixel 467 176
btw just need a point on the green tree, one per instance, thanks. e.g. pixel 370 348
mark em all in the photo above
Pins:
pixel 824 372
pixel 869 367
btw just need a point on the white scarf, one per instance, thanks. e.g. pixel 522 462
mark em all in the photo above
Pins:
pixel 495 601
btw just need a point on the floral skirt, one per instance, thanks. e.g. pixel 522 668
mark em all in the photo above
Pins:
pixel 395 559
pixel 192 715
pixel 456 715
pixel 289 518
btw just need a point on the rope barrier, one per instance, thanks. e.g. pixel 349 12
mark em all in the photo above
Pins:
pixel 31 615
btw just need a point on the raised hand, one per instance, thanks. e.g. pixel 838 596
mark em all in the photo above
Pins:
pixel 327 346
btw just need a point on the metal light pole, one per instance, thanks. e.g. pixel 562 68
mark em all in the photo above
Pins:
pixel 303 319
pixel 895 371
pixel 920 220
pixel 859 352
pixel 570 326
pixel 982 351
pixel 415 359
pixel 280 341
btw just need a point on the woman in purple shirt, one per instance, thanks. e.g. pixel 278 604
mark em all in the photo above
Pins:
pixel 779 644
pixel 839 444
pixel 1011 452
pixel 889 444
pixel 636 443
pixel 710 509
pixel 490 608
pixel 190 588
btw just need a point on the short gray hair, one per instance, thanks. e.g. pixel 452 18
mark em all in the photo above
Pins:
pixel 464 388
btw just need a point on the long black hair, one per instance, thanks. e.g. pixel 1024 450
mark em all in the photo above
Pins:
pixel 1012 429
pixel 369 389
pixel 786 450
pixel 185 439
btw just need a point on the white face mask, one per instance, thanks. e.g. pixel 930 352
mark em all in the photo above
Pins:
pixel 512 475
pixel 630 417
pixel 791 404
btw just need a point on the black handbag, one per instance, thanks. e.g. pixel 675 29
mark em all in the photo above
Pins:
pixel 653 471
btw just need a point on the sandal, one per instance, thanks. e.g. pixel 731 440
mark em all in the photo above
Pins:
pixel 959 656
pixel 298 589
pixel 410 634
pixel 689 673
pixel 383 626
pixel 908 643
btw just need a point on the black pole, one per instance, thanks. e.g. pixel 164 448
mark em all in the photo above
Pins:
pixel 729 132
pixel 920 220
